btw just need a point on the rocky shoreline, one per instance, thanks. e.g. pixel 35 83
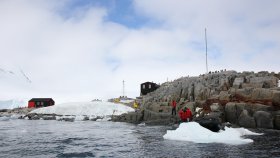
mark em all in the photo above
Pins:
pixel 247 99
pixel 25 113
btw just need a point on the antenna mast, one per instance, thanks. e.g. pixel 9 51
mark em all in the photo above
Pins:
pixel 123 88
pixel 206 52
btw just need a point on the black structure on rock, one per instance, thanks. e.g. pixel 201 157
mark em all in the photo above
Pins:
pixel 148 87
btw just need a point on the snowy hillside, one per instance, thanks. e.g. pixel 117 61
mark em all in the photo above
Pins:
pixel 14 84
pixel 193 132
pixel 85 108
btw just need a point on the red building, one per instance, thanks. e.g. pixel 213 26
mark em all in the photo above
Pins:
pixel 40 102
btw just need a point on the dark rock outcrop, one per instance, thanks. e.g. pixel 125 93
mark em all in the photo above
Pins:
pixel 245 120
pixel 211 123
pixel 228 96
pixel 263 119
pixel 277 120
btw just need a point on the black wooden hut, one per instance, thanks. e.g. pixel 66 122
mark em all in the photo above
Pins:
pixel 148 87
pixel 40 102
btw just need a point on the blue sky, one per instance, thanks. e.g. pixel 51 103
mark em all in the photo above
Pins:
pixel 121 12
pixel 86 48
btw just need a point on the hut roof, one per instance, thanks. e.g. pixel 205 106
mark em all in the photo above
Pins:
pixel 41 99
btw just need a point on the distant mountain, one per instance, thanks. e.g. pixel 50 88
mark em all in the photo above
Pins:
pixel 10 104
pixel 14 85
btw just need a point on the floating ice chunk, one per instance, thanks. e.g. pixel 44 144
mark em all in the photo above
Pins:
pixel 193 132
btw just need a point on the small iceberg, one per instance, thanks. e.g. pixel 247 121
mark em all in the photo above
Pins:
pixel 193 132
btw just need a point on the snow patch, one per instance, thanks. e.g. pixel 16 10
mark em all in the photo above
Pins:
pixel 193 132
pixel 197 109
pixel 82 109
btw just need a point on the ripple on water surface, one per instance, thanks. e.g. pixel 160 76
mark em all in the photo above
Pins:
pixel 25 138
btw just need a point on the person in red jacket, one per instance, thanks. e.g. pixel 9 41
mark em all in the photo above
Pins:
pixel 185 114
pixel 174 104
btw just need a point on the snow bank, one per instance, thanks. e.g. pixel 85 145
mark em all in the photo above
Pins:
pixel 85 108
pixel 193 132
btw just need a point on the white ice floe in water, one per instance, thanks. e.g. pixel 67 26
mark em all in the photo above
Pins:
pixel 92 109
pixel 193 132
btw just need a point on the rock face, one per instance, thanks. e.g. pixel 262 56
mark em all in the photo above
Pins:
pixel 16 111
pixel 210 123
pixel 245 99
pixel 263 119
pixel 245 120
pixel 277 120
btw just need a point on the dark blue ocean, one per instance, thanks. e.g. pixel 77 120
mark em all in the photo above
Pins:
pixel 39 139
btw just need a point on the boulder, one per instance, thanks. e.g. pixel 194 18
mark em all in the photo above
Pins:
pixel 277 121
pixel 218 115
pixel 263 119
pixel 241 94
pixel 276 98
pixel 261 94
pixel 210 123
pixel 230 111
pixel 238 82
pixel 225 96
pixel 246 121
pixel 240 107
pixel 233 111
pixel 216 107
pixel 260 107
pixel 150 115
pixel 264 82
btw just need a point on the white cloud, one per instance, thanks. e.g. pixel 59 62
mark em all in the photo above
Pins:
pixel 80 55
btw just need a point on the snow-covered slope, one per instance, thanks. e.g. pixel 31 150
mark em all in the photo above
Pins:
pixel 14 84
pixel 193 132
pixel 85 108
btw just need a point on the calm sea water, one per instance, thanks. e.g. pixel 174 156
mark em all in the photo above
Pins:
pixel 38 138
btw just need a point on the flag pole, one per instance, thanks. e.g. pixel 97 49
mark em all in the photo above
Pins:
pixel 206 51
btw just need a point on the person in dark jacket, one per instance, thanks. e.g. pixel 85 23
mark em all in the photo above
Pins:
pixel 174 104
pixel 185 114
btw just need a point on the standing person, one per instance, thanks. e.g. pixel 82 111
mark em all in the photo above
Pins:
pixel 189 114
pixel 135 104
pixel 174 104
